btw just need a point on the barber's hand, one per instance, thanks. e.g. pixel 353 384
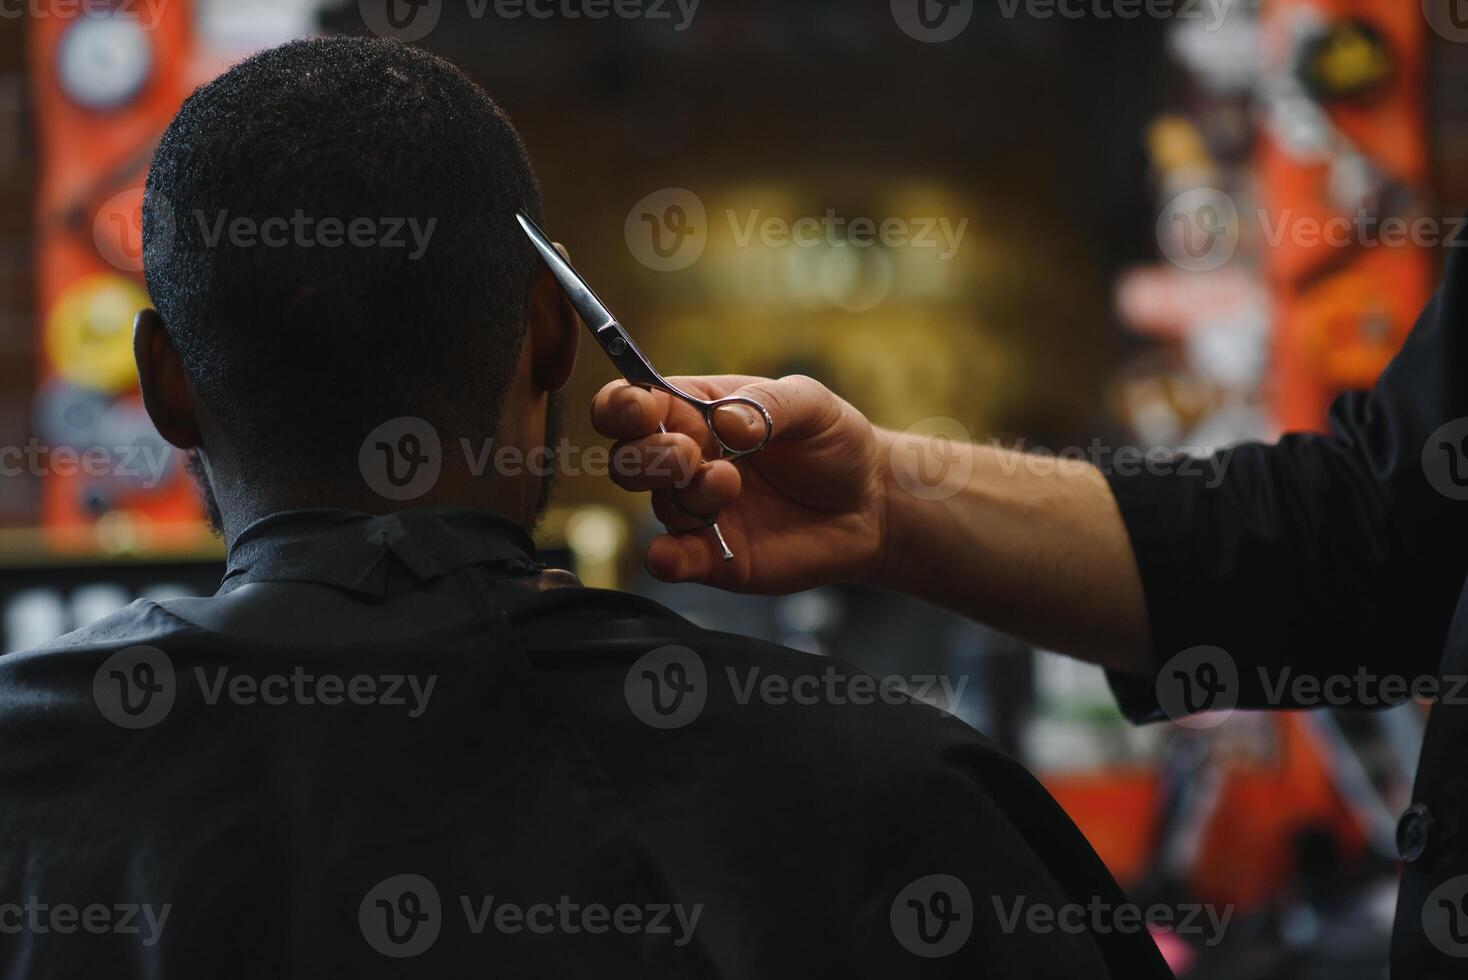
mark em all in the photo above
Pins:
pixel 808 509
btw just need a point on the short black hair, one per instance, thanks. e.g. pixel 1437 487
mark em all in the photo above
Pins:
pixel 301 342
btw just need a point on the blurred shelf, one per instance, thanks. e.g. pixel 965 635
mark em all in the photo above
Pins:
pixel 31 547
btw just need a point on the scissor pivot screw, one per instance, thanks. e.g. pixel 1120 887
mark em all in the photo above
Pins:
pixel 617 346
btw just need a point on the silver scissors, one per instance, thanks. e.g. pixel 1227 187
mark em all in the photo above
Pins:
pixel 635 366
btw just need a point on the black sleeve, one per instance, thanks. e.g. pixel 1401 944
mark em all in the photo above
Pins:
pixel 1323 555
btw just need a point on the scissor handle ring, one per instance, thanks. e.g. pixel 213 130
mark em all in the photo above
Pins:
pixel 710 408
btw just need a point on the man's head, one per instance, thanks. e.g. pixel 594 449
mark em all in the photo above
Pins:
pixel 330 243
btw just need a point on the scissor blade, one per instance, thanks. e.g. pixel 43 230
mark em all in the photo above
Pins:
pixel 585 302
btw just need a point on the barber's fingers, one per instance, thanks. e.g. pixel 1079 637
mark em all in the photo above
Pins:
pixel 625 412
pixel 799 407
pixel 685 558
pixel 661 460
pixel 715 487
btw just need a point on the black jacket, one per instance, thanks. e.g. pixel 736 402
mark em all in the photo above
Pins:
pixel 394 746
pixel 1329 569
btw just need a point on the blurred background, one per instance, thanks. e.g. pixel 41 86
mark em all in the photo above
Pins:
pixel 1080 227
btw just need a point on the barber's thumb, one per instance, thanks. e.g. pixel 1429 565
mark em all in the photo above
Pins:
pixel 740 426
pixel 799 407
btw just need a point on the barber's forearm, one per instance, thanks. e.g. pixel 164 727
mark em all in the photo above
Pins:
pixel 1033 546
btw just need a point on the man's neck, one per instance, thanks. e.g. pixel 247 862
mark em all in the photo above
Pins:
pixel 247 506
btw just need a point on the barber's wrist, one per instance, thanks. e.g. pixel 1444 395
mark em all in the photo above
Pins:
pixel 899 560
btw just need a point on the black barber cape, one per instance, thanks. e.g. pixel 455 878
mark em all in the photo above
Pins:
pixel 1330 569
pixel 395 747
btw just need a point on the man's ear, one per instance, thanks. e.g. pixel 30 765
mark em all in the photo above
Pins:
pixel 165 387
pixel 553 332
